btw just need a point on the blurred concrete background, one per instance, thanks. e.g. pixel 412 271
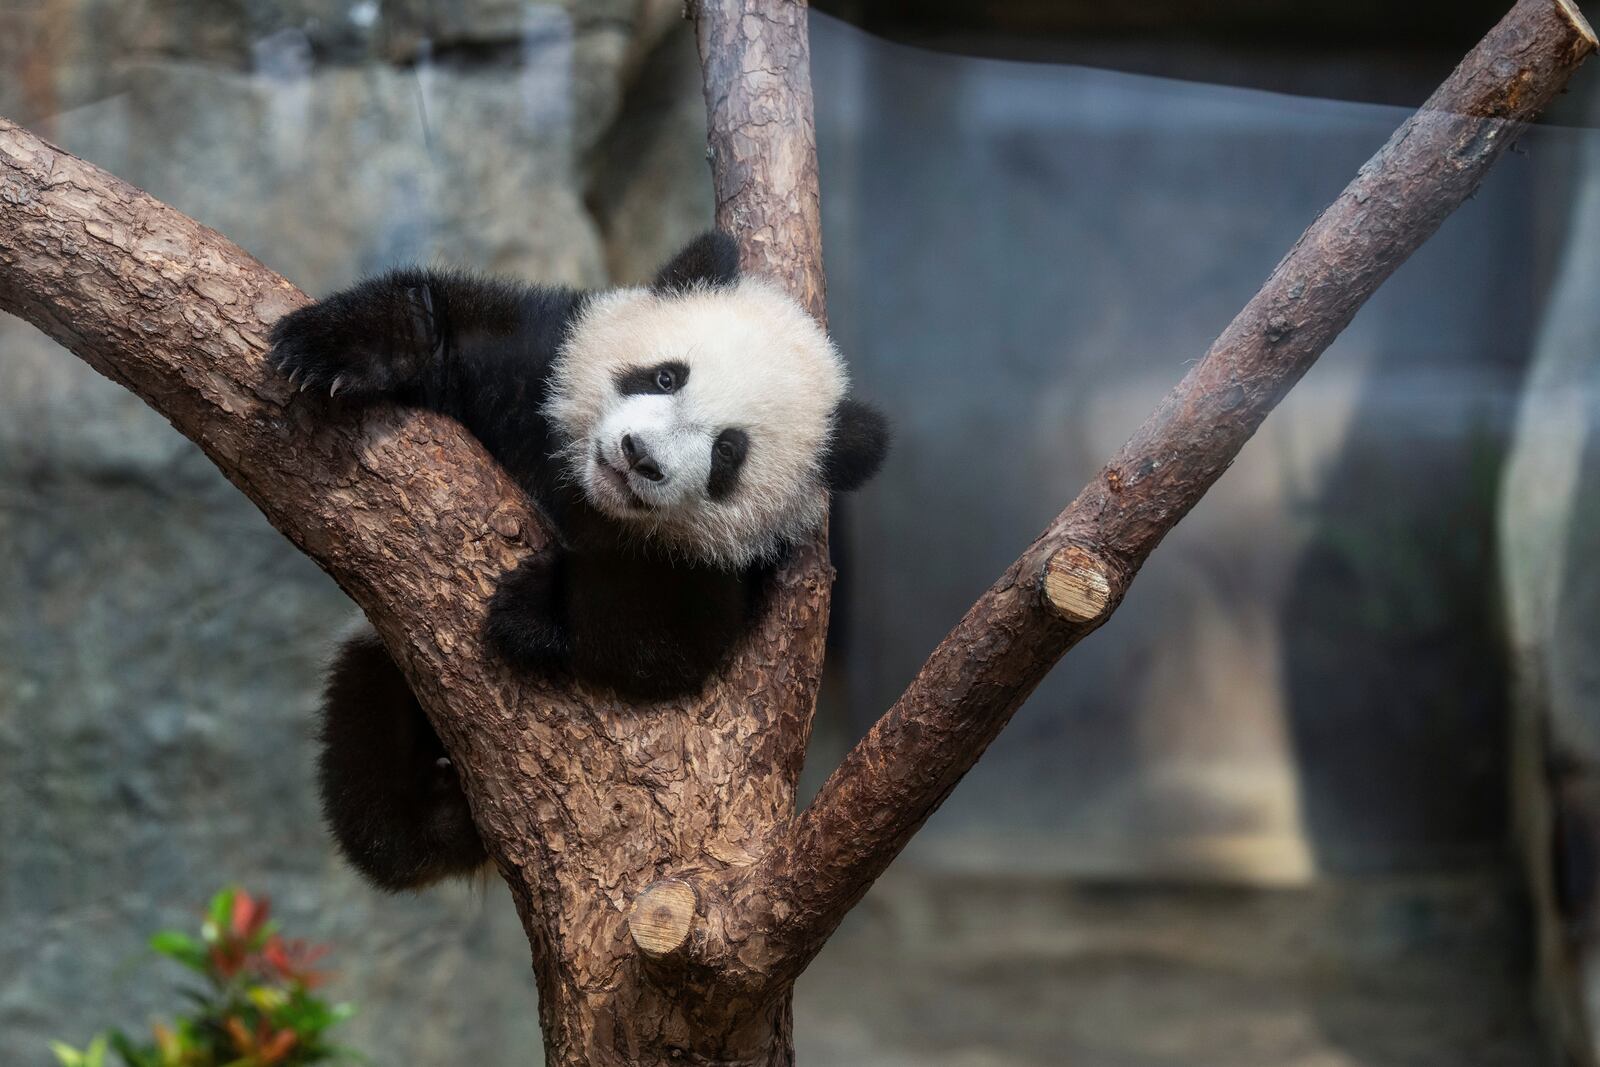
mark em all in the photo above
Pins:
pixel 1264 817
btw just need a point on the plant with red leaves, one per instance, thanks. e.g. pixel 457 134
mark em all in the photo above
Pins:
pixel 256 1008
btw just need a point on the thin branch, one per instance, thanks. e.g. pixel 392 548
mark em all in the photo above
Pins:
pixel 1071 579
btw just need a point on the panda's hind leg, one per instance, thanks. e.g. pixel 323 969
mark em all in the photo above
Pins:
pixel 389 792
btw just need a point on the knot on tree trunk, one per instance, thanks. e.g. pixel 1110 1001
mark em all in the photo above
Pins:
pixel 662 917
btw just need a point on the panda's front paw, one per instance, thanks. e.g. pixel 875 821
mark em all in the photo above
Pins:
pixel 363 342
pixel 522 626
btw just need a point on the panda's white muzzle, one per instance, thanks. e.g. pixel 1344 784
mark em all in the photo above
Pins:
pixel 661 459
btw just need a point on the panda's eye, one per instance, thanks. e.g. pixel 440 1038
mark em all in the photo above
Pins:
pixel 727 459
pixel 668 377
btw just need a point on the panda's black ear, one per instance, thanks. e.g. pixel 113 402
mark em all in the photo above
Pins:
pixel 857 446
pixel 710 259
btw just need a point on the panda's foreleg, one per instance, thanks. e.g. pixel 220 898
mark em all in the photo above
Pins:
pixel 389 792
pixel 525 624
pixel 393 333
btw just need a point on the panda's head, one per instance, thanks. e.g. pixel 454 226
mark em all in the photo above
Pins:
pixel 709 411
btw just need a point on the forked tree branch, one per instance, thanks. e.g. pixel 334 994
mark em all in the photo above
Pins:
pixel 585 803
pixel 1074 575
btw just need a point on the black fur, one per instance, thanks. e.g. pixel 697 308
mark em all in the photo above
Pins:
pixel 666 377
pixel 710 259
pixel 727 460
pixel 646 628
pixel 389 793
pixel 601 608
pixel 858 446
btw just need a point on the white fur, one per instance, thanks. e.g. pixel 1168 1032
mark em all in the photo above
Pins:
pixel 757 362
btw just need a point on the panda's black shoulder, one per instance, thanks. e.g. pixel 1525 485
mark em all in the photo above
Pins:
pixel 503 383
pixel 551 313
pixel 547 314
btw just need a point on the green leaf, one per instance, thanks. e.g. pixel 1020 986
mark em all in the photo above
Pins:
pixel 267 998
pixel 132 1054
pixel 66 1055
pixel 268 928
pixel 176 945
pixel 93 1056
pixel 219 915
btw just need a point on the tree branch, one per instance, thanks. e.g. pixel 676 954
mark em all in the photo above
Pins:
pixel 1074 575
pixel 761 138
pixel 178 314
pixel 665 912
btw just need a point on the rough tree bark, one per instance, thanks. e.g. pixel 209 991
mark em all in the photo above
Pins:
pixel 669 891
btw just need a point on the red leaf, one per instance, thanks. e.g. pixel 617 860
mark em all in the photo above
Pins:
pixel 249 915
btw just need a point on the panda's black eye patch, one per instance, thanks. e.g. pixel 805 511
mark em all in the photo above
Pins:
pixel 661 379
pixel 727 459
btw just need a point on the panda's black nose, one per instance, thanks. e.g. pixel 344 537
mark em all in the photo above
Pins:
pixel 639 460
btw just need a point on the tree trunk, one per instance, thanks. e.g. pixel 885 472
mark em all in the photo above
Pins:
pixel 668 889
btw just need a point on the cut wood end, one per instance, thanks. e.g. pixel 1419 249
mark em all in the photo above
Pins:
pixel 1077 585
pixel 1579 23
pixel 661 917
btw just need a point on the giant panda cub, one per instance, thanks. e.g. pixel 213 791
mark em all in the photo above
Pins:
pixel 677 437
